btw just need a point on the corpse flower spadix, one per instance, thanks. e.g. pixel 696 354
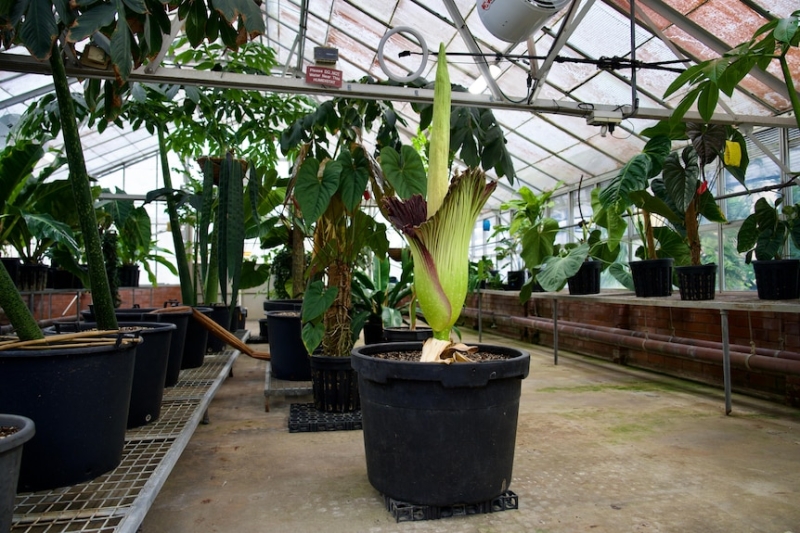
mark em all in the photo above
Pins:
pixel 439 230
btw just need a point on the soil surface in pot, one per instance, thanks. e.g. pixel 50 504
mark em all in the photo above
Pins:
pixel 7 431
pixel 415 355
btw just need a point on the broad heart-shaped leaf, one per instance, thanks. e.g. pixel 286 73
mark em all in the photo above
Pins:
pixel 747 236
pixel 557 269
pixel 44 227
pixel 622 274
pixel 538 241
pixel 314 192
pixel 312 335
pixel 671 244
pixel 632 177
pixel 317 300
pixel 354 177
pixel 770 243
pixel 708 141
pixel 253 274
pixel 709 208
pixel 404 171
pixel 680 177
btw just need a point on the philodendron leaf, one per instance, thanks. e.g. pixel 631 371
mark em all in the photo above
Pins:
pixel 622 274
pixel 312 336
pixel 317 300
pixel 43 226
pixel 557 269
pixel 354 177
pixel 404 171
pixel 314 191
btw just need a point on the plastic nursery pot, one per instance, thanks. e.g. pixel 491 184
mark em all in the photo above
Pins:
pixel 194 348
pixel 697 282
pixel 10 460
pixel 404 334
pixel 334 384
pixel 78 398
pixel 221 314
pixel 777 279
pixel 409 409
pixel 288 355
pixel 652 277
pixel 181 320
pixel 587 279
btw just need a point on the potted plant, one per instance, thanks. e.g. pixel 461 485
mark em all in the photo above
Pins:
pixel 15 431
pixel 409 408
pixel 378 301
pixel 683 194
pixel 763 237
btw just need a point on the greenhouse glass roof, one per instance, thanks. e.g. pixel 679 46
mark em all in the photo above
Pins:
pixel 544 90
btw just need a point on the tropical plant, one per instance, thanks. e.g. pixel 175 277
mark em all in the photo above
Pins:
pixel 376 296
pixel 765 232
pixel 438 226
pixel 135 32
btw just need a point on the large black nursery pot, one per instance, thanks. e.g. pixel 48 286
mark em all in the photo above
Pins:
pixel 373 330
pixel 587 279
pixel 150 367
pixel 221 314
pixel 10 459
pixel 288 355
pixel 777 279
pixel 194 348
pixel 128 275
pixel 276 305
pixel 652 277
pixel 78 398
pixel 438 434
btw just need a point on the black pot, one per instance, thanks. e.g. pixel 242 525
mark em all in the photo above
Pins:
pixel 263 329
pixel 697 282
pixel 221 314
pixel 777 279
pixel 288 354
pixel 150 367
pixel 587 279
pixel 126 314
pixel 12 265
pixel 177 342
pixel 412 413
pixel 334 384
pixel 239 319
pixel 58 279
pixel 403 334
pixel 128 275
pixel 282 305
pixel 78 398
pixel 373 330
pixel 652 277
pixel 32 277
pixel 515 280
pixel 194 348
pixel 10 459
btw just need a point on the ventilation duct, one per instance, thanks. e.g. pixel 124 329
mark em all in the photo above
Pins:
pixel 514 20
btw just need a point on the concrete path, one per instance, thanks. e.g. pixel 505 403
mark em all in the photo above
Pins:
pixel 600 449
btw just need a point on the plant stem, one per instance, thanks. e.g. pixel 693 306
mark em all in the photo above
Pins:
pixel 793 96
pixel 82 195
pixel 298 260
pixel 15 309
pixel 187 291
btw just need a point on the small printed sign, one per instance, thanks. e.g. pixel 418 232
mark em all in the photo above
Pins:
pixel 324 76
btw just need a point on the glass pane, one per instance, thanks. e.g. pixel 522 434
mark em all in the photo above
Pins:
pixel 738 275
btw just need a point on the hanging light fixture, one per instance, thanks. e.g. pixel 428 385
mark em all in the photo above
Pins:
pixel 514 20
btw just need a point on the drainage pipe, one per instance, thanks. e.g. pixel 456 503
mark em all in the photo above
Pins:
pixel 746 361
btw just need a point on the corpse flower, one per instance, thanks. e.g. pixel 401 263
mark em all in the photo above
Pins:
pixel 438 229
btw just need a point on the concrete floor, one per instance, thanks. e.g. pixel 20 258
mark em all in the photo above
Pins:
pixel 600 448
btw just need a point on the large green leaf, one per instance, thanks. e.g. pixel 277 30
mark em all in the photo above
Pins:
pixel 16 164
pixel 314 191
pixel 91 21
pixel 122 46
pixel 646 201
pixel 556 270
pixel 44 227
pixel 354 177
pixel 680 177
pixel 538 242
pixel 40 30
pixel 404 171
pixel 317 299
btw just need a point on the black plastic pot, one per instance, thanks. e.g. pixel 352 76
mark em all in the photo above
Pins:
pixel 150 367
pixel 587 279
pixel 276 305
pixel 128 275
pixel 12 265
pixel 334 384
pixel 126 314
pixel 194 348
pixel 697 282
pixel 177 342
pixel 439 434
pixel 652 277
pixel 221 314
pixel 777 279
pixel 288 355
pixel 78 398
pixel 403 334
pixel 515 280
pixel 32 277
pixel 10 459
pixel 373 330
pixel 263 329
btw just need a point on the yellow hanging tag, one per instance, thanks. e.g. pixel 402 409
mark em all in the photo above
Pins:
pixel 733 154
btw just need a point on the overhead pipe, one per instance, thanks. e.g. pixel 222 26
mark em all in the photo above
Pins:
pixel 745 361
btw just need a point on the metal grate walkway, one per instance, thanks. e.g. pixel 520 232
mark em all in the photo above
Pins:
pixel 118 501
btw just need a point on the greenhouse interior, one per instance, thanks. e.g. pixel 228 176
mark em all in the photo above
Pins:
pixel 232 235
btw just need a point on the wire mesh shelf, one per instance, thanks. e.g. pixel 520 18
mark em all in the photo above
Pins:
pixel 118 501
